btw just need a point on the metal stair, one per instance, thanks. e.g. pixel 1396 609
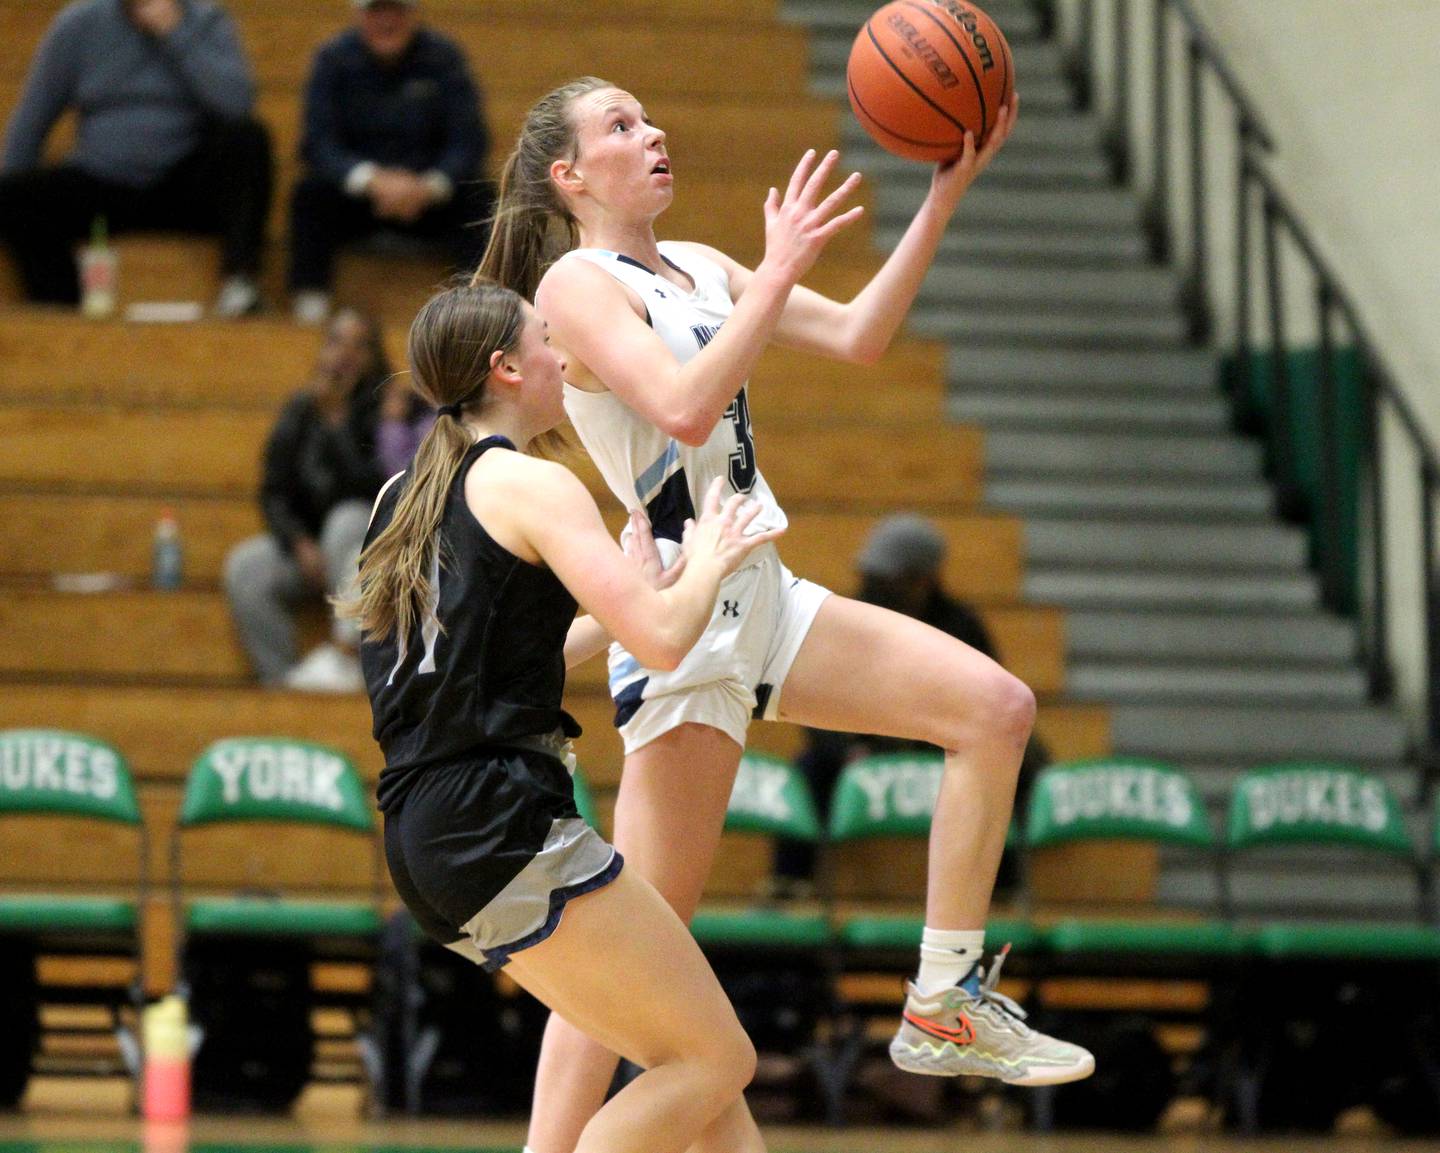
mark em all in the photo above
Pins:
pixel 1192 610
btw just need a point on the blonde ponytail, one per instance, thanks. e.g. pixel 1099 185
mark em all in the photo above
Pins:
pixel 532 227
pixel 451 343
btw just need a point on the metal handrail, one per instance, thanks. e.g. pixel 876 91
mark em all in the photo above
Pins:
pixel 1260 200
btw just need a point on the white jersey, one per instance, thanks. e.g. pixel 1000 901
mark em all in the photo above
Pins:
pixel 644 466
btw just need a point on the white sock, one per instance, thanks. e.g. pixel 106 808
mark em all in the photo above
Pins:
pixel 947 956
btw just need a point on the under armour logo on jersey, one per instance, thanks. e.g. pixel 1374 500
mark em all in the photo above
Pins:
pixel 729 608
pixel 660 292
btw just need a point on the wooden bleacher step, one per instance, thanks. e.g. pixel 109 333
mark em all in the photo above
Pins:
pixel 179 452
pixel 187 635
pixel 54 356
pixel 112 534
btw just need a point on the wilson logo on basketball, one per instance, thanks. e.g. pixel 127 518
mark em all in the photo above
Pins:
pixel 967 20
pixel 923 49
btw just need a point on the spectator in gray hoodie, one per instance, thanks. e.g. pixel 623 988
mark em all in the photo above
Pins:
pixel 165 140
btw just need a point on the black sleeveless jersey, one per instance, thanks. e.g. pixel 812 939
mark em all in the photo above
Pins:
pixel 484 665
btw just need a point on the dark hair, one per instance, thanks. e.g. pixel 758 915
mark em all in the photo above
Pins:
pixel 533 227
pixel 452 342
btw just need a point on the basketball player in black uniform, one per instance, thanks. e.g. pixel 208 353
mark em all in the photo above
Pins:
pixel 474 562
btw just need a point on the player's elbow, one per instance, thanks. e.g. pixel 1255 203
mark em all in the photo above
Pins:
pixel 662 654
pixel 690 428
pixel 866 348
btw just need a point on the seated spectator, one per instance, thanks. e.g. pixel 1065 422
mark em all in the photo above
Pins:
pixel 404 421
pixel 899 568
pixel 395 141
pixel 321 477
pixel 165 140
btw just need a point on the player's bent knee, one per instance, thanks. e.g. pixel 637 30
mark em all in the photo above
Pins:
pixel 1014 707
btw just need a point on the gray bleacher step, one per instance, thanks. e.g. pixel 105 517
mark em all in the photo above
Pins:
pixel 1042 93
pixel 1008 452
pixel 1104 208
pixel 1051 246
pixel 1162 372
pixel 1034 59
pixel 1259 546
pixel 1259 733
pixel 1047 130
pixel 1130 683
pixel 1111 589
pixel 1136 412
pixel 1017 19
pixel 1017 167
pixel 1081 499
pixel 1364 890
pixel 1041 325
pixel 1135 288
pixel 1309 638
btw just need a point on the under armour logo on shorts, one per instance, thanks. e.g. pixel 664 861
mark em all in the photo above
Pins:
pixel 729 608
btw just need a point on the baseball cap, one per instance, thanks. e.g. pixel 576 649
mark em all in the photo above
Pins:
pixel 900 544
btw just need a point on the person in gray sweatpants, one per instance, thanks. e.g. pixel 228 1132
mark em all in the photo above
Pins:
pixel 321 475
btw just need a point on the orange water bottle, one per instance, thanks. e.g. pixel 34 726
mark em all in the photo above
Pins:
pixel 167 1060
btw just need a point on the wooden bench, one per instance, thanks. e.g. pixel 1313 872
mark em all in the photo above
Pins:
pixel 519 53
pixel 56 357
pixel 113 533
pixel 214 452
pixel 187 636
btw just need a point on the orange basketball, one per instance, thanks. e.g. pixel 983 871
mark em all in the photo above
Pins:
pixel 922 73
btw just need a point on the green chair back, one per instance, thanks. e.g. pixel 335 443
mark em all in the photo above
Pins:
pixel 58 773
pixel 1315 803
pixel 276 780
pixel 1116 798
pixel 772 798
pixel 585 800
pixel 891 795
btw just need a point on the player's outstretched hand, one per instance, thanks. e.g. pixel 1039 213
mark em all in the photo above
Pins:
pixel 640 547
pixel 800 224
pixel 952 179
pixel 720 531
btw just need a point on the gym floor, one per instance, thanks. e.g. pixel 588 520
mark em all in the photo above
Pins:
pixel 92 1116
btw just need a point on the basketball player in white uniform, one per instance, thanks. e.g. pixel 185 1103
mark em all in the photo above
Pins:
pixel 659 343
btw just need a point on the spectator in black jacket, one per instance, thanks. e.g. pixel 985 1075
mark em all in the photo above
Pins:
pixel 395 140
pixel 321 477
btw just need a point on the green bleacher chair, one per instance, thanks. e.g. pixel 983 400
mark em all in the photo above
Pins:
pixel 770 799
pixel 892 796
pixel 74 777
pixel 1305 805
pixel 1137 800
pixel 1319 985
pixel 585 800
pixel 274 784
pixel 1126 799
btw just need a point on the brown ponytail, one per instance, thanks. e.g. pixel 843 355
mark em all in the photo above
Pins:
pixel 532 227
pixel 451 344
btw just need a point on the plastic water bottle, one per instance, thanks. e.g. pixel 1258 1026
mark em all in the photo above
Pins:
pixel 99 273
pixel 168 558
pixel 166 1043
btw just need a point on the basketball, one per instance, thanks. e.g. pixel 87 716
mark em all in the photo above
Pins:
pixel 922 73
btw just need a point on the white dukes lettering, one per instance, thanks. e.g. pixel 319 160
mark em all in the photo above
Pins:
pixel 57 765
pixel 1326 798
